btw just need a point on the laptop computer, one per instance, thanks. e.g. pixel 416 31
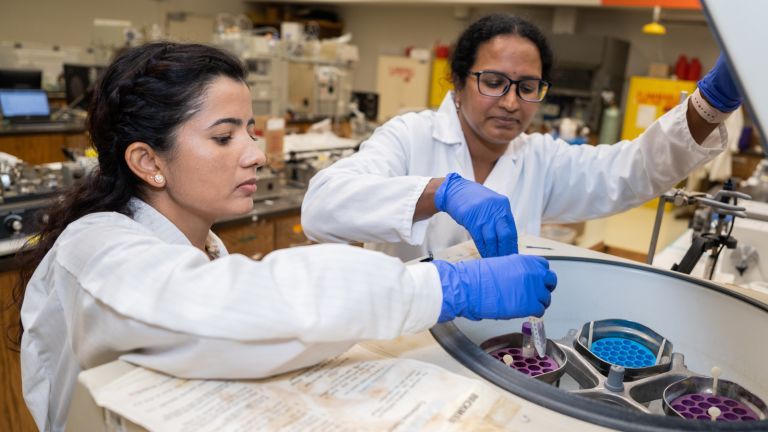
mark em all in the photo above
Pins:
pixel 19 106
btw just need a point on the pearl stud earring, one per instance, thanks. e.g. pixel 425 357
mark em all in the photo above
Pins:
pixel 158 178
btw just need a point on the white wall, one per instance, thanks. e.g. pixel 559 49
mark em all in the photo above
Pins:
pixel 388 29
pixel 69 22
pixel 376 29
pixel 694 39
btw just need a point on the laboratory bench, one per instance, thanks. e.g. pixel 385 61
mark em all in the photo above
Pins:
pixel 42 127
pixel 41 143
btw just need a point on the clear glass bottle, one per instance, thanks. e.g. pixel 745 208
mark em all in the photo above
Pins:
pixel 528 349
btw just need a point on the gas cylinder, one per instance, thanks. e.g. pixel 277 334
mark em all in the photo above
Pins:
pixel 694 70
pixel 681 67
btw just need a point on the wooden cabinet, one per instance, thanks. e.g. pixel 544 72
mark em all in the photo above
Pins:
pixel 76 141
pixel 253 239
pixel 14 415
pixel 40 148
pixel 258 238
pixel 288 232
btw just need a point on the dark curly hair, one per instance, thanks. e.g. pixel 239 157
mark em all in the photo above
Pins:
pixel 145 95
pixel 485 29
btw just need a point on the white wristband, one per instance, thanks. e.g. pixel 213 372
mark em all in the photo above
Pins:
pixel 709 113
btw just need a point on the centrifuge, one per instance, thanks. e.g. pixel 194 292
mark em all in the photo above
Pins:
pixel 629 347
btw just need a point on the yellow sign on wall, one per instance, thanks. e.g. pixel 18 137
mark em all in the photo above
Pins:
pixel 441 81
pixel 648 99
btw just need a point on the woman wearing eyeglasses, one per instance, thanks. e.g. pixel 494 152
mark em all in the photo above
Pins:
pixel 426 181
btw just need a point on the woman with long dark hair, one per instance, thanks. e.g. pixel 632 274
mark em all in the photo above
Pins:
pixel 128 267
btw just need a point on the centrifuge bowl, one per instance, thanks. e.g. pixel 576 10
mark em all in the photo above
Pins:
pixel 710 326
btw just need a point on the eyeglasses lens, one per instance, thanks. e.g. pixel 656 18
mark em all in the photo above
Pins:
pixel 493 84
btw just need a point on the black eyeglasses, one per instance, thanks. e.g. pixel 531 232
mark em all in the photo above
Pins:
pixel 496 84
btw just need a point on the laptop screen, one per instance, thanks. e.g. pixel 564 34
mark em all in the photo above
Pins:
pixel 24 104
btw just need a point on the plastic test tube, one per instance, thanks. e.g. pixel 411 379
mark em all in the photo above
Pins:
pixel 529 351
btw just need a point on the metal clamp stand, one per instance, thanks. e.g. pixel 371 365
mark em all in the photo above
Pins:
pixel 700 244
pixel 720 205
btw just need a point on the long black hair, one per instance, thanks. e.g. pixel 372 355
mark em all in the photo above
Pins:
pixel 145 95
pixel 485 29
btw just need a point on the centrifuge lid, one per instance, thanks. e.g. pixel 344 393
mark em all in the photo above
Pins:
pixel 739 28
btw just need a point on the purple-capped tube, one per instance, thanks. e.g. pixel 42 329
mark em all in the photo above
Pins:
pixel 529 350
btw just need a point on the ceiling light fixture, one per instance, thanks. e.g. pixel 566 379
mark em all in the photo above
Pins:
pixel 654 28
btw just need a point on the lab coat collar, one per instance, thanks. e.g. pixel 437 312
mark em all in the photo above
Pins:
pixel 161 226
pixel 156 222
pixel 447 127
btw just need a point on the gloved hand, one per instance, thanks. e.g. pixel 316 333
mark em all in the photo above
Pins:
pixel 484 213
pixel 504 287
pixel 719 87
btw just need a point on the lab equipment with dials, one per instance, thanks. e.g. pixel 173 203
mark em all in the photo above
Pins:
pixel 27 192
pixel 297 74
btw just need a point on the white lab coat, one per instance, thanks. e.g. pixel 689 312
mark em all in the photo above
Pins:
pixel 371 196
pixel 136 289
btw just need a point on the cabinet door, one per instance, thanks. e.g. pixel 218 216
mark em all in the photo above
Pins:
pixel 253 239
pixel 42 148
pixel 34 149
pixel 77 141
pixel 288 232
pixel 13 411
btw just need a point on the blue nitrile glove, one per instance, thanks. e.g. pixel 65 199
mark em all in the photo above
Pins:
pixel 484 213
pixel 504 287
pixel 719 87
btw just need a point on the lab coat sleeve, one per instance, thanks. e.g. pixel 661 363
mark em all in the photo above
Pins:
pixel 169 308
pixel 369 196
pixel 586 182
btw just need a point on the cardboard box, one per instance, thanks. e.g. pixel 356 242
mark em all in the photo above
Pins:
pixel 658 70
